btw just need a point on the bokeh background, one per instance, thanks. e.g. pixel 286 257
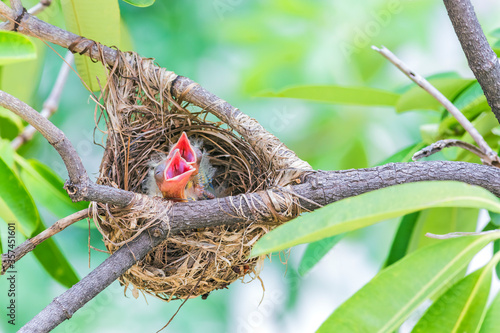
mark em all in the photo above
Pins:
pixel 239 50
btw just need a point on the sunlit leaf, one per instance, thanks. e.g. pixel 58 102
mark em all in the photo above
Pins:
pixel 338 95
pixel 15 47
pixel 391 296
pixel 97 20
pixel 461 308
pixel 10 124
pixel 491 323
pixel 372 207
pixel 440 221
pixel 18 202
pixel 140 3
pixel 316 251
pixel 418 99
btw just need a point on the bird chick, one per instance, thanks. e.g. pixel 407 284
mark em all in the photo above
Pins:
pixel 172 175
pixel 196 181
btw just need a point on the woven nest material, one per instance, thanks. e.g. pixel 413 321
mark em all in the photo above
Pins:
pixel 143 120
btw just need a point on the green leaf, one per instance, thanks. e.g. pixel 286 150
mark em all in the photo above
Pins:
pixel 491 323
pixel 372 207
pixel 404 155
pixel 316 251
pixel 15 47
pixel 462 307
pixel 391 296
pixel 47 188
pixel 140 3
pixel 418 99
pixel 18 203
pixel 7 152
pixel 10 124
pixel 401 241
pixel 440 221
pixel 495 218
pixel 54 261
pixel 338 95
pixel 97 20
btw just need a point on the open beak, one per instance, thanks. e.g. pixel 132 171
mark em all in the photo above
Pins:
pixel 189 153
pixel 172 175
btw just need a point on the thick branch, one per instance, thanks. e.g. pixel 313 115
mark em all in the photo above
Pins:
pixel 321 187
pixel 482 60
pixel 266 144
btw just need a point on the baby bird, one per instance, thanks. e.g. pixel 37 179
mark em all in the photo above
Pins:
pixel 172 175
pixel 185 174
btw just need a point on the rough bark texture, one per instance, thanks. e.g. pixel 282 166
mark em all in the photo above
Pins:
pixel 482 60
pixel 322 187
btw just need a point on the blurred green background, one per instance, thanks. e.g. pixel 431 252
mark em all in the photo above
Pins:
pixel 239 50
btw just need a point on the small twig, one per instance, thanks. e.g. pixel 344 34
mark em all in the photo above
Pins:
pixel 459 234
pixel 39 7
pixel 491 156
pixel 30 244
pixel 441 144
pixel 51 104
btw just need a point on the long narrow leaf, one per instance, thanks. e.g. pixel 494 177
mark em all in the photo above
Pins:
pixel 491 323
pixel 54 261
pixel 15 48
pixel 18 202
pixel 339 95
pixel 316 251
pixel 47 188
pixel 462 307
pixel 97 20
pixel 401 241
pixel 389 298
pixel 372 207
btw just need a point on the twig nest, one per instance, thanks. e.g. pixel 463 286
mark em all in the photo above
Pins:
pixel 142 122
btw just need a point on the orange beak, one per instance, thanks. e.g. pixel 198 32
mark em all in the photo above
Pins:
pixel 189 153
pixel 172 175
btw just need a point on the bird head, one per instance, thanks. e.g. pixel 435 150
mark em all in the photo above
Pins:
pixel 172 175
pixel 191 154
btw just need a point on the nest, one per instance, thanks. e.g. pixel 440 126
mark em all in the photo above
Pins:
pixel 142 121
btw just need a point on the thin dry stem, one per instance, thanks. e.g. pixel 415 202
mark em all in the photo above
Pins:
pixel 442 144
pixel 492 157
pixel 51 103
pixel 39 7
pixel 30 244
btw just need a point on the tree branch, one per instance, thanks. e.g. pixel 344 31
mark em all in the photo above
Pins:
pixel 490 156
pixel 183 88
pixel 482 60
pixel 321 187
pixel 30 244
pixel 39 7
